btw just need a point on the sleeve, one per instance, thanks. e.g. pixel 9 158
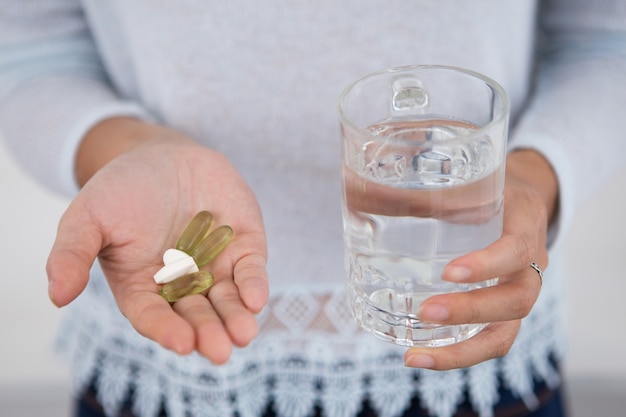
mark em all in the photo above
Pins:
pixel 53 87
pixel 574 115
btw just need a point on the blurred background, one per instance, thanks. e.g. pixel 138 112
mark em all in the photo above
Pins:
pixel 35 383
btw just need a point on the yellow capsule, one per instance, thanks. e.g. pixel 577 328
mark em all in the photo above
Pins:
pixel 196 230
pixel 212 245
pixel 188 284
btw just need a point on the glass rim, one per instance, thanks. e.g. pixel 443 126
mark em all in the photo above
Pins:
pixel 499 114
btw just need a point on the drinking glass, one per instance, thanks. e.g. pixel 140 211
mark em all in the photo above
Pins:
pixel 423 155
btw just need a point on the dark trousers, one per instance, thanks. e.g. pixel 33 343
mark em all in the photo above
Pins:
pixel 552 405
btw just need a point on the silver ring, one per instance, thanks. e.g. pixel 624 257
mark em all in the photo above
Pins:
pixel 534 266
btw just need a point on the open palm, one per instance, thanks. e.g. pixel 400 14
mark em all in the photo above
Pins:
pixel 131 211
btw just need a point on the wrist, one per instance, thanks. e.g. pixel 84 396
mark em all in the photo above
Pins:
pixel 111 138
pixel 531 168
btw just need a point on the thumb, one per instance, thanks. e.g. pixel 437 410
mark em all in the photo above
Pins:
pixel 77 244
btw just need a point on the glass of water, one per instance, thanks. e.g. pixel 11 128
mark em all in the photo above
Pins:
pixel 423 154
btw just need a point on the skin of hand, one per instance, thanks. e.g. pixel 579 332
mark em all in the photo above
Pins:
pixel 530 200
pixel 141 184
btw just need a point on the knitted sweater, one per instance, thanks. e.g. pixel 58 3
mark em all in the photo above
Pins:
pixel 258 81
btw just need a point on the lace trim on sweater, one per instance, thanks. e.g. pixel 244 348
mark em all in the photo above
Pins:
pixel 309 353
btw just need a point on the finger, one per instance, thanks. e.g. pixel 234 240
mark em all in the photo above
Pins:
pixel 505 256
pixel 239 322
pixel 75 248
pixel 212 339
pixel 251 278
pixel 523 241
pixel 493 341
pixel 510 300
pixel 154 318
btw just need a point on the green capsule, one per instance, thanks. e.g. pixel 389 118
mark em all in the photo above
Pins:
pixel 212 245
pixel 189 284
pixel 196 230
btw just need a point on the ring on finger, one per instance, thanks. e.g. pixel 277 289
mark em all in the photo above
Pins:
pixel 536 267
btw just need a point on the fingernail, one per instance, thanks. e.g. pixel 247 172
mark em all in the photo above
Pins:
pixel 419 360
pixel 457 273
pixel 433 312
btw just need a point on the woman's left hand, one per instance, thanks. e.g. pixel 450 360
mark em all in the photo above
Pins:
pixel 530 199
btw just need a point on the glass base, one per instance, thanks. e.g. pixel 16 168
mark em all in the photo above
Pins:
pixel 405 329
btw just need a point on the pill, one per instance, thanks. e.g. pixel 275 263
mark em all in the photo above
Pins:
pixel 212 245
pixel 175 269
pixel 188 284
pixel 196 230
pixel 172 255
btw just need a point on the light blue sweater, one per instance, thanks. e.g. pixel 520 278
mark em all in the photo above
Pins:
pixel 259 81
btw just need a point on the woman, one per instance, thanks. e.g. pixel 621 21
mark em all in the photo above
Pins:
pixel 148 112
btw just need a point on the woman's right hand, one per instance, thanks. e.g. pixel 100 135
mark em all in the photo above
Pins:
pixel 139 192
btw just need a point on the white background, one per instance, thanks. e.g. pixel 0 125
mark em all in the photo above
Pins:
pixel 31 376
